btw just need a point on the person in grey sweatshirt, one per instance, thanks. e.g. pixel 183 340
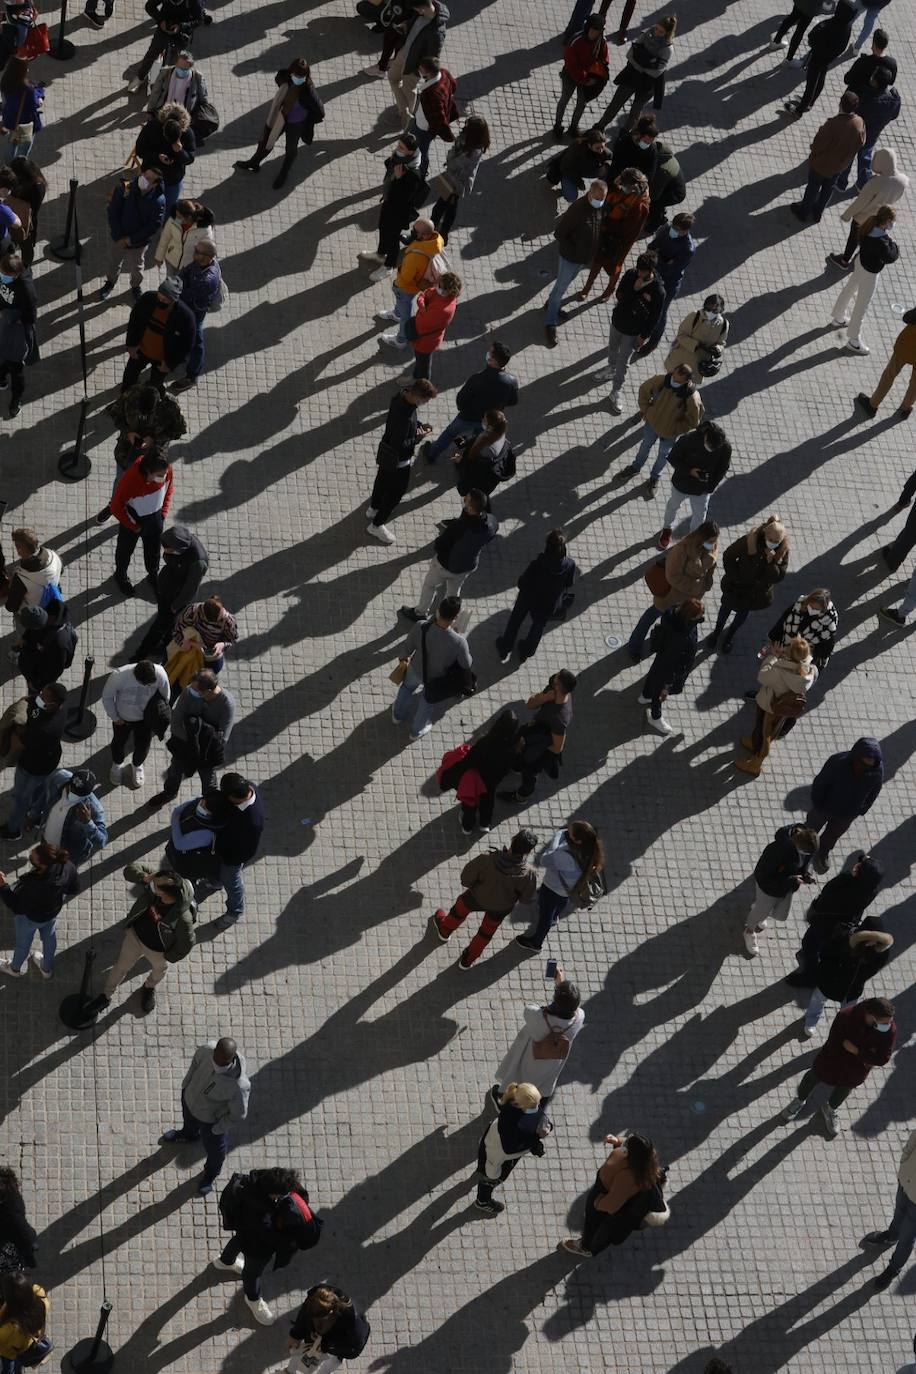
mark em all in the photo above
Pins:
pixel 434 657
pixel 214 1097
pixel 202 721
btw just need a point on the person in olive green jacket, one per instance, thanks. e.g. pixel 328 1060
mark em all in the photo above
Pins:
pixel 160 929
pixel 670 406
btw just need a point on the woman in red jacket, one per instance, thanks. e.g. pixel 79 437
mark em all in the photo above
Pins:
pixel 435 109
pixel 585 73
pixel 426 330
pixel 861 1038
pixel 140 504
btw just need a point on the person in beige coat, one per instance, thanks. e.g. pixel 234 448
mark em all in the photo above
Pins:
pixel 700 339
pixel 189 224
pixel 788 674
pixel 670 407
pixel 885 186
pixel 690 567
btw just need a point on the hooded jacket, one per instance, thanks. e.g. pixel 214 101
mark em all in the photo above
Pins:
pixel 266 1227
pixel 31 576
pixel 126 699
pixel 859 76
pixel 780 864
pixel 845 898
pixel 41 896
pixel 637 310
pixel 200 285
pixel 585 62
pixel 437 101
pixel 499 879
pixel 877 252
pixel 217 1096
pixel 840 791
pixel 830 39
pixel 546 585
pixel 850 958
pixel 878 109
pixel 47 652
pixel 836 1066
pixel 175 925
pixel 459 546
pixel 885 186
pixel 80 838
pixel 181 573
pixel 667 410
pixel 690 452
pixel 749 577
pixel 426 40
pixel 415 263
pixel 134 214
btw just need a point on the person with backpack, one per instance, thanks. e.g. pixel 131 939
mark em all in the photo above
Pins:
pixel 191 847
pixel 841 902
pixel 493 883
pixel 436 662
pixel 160 929
pixel 700 340
pixel 520 1128
pixel 861 1038
pixel 699 462
pixel 474 771
pixel 846 788
pixel 23 1320
pixel 781 870
pixel 486 460
pixel 545 592
pixel 403 189
pixel 846 962
pixel 47 645
pixel 268 1213
pixel 420 267
pixel 73 817
pixel 785 680
pixel 214 1098
pixel 539 1052
pixel 35 579
pixel 674 643
pixel 328 1328
pixel 573 864
pixel 669 405
pixel 36 900
pixel 628 1193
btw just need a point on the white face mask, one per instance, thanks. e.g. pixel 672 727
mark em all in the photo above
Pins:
pixel 644 142
pixel 595 204
pixel 298 80
pixel 143 183
pixel 771 546
pixel 709 544
pixel 711 316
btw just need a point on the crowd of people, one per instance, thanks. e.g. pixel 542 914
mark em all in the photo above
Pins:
pixel 616 188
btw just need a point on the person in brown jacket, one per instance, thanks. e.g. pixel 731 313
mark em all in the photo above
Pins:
pixel 835 144
pixel 788 674
pixel 753 565
pixel 690 565
pixel 670 406
pixel 578 236
pixel 626 210
pixel 903 354
pixel 493 883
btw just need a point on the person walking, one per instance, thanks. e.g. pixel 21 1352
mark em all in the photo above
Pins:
pixel 425 35
pixel 18 312
pixel 140 505
pixel 435 109
pixel 327 1329
pixel 160 334
pixel 184 566
pixel 885 186
pixel 903 354
pixel 72 817
pixel 294 112
pixel 214 1098
pixel 842 901
pixel 898 615
pixel 674 247
pixel 436 662
pixel 628 1193
pixel 781 870
pixel 785 680
pixel 686 575
pixel 475 771
pixel 202 721
pixel 146 418
pixel 419 265
pixel 753 565
pixel 435 310
pixel 456 553
pixel 699 461
pixel 395 455
pixel 539 1052
pixel 403 189
pixel 167 143
pixel 578 235
pixel 801 15
pixel 643 77
pixel 456 181
pixel 39 738
pixel 46 647
pixel 640 301
pixel 520 1128
pixel 544 735
pixel 201 291
pixel 584 74
pixel 861 1038
pixel 20 108
pixel 238 842
pixel 636 149
pixel 877 250
pixel 160 929
pixel 626 210
pixel 268 1213
pixel 700 340
pixel 129 700
pixel 833 151
pixel 209 627
pixel 23 1321
pixel 36 901
pixel 846 962
pixel 827 41
pixel 493 883
pixel 175 22
pixel 573 864
pixel 18 1237
pixel 901 1233
pixel 494 387
pixel 545 592
pixel 669 405
pixel 846 788
pixel 136 212
pixel 674 643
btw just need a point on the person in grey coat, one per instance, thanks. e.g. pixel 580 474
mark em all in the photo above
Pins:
pixel 202 719
pixel 214 1097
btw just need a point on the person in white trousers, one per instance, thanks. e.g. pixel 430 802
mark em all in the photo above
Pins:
pixel 876 251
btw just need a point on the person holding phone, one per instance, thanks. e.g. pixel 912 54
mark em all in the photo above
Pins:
pixel 541 1048
pixel 699 462
pixel 628 1193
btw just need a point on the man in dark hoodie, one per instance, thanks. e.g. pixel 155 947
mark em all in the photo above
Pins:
pixel 214 1097
pixel 457 553
pixel 545 592
pixel 828 41
pixel 640 301
pixel 781 870
pixel 47 645
pixel 860 73
pixel 846 787
pixel 841 902
pixel 425 37
pixel 879 105
pixel 493 883
pixel 494 387
pixel 184 565
pixel 578 236
pixel 395 454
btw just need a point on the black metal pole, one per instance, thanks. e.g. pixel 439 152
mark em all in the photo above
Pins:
pixel 73 464
pixel 93 1355
pixel 62 247
pixel 80 721
pixel 63 49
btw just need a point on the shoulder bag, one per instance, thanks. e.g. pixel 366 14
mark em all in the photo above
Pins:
pixel 656 580
pixel 556 1044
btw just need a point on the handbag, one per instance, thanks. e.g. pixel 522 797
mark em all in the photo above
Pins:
pixel 556 1044
pixel 204 120
pixel 656 580
pixel 399 671
pixel 221 299
pixel 443 188
pixel 36 42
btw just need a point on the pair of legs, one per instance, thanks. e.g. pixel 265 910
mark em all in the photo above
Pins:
pixel 403 86
pixel 254 1267
pixel 215 1143
pixel 902 1229
pixel 131 258
pixel 860 287
pixel 388 490
pixel 871 18
pixel 453 430
pixel 640 630
pixel 567 272
pixel 159 48
pixel 195 362
pixel 481 814
pixel 647 443
pixel 817 75
pixel 816 1005
pixel 890 374
pixel 727 609
pixel 121 736
pixel 230 877
pixel 529 644
pixel 801 22
pixel 487 1186
pixel 443 215
pixel 132 951
pixel 568 89
pixel 438 578
pixel 831 828
pixel 26 930
pixel 28 798
pixel 817 195
pixel 407 701
pixel 766 908
pixel 149 534
pixel 14 373
pixel 619 349
pixel 612 268
pixel 424 139
pixel 699 505
pixel 551 907
pixel 658 329
pixel 134 367
pixel 448 922
pixel 809 1082
pixel 179 769
pixel 422 365
pixel 389 236
pixel 624 93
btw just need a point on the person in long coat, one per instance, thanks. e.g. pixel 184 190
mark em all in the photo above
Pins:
pixel 293 112
pixel 539 1052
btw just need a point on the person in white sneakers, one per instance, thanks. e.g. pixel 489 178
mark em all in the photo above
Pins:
pixel 403 190
pixel 127 698
pixel 395 455
pixel 674 642
pixel 780 872
pixel 269 1214
pixel 876 251
pixel 35 901
pixel 417 271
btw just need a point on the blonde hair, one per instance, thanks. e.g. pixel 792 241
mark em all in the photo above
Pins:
pixel 773 522
pixel 798 649
pixel 524 1095
pixel 669 24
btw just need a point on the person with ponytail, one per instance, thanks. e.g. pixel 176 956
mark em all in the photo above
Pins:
pixel 328 1328
pixel 627 1194
pixel 36 900
pixel 23 1317
pixel 519 1129
pixel 572 860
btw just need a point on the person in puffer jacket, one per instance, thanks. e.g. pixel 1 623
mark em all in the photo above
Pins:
pixel 457 552
pixel 493 883
pixel 847 787
pixel 545 592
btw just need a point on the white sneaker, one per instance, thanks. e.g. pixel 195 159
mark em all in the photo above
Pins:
pixel 808 1031
pixel 236 1267
pixel 380 532
pixel 385 315
pixel 7 968
pixel 751 943
pixel 644 701
pixel 795 61
pixel 380 274
pixel 420 733
pixel 371 257
pixel 614 405
pixel 392 341
pixel 260 1311
pixel 661 726
pixel 114 774
pixel 857 346
pixel 791 1112
pixel 136 777
pixel 375 71
pixel 36 963
pixel 831 1125
pixel 838 324
pixel 134 84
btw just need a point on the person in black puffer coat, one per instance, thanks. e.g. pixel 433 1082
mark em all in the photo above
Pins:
pixel 846 962
pixel 842 902
pixel 17 1237
pixel 545 592
pixel 491 757
pixel 47 645
pixel 827 41
pixel 403 191
pixel 327 1324
pixel 674 641
pixel 269 1214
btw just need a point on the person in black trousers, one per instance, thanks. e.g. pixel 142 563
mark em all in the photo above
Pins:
pixel 175 22
pixel 842 902
pixel 269 1214
pixel 237 842
pixel 160 334
pixel 828 41
pixel 395 455
pixel 519 1129
pixel 894 553
pixel 492 757
pixel 184 566
pixel 674 640
pixel 403 190
pixel 17 1237
pixel 494 387
pixel 545 592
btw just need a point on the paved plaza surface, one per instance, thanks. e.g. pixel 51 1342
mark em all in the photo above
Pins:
pixel 369 1051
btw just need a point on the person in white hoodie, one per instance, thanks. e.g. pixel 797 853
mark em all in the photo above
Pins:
pixel 38 570
pixel 540 1050
pixel 573 857
pixel 885 186
pixel 125 697
pixel 190 224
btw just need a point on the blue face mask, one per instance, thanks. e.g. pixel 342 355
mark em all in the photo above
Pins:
pixel 531 1111
pixel 193 692
pixel 882 1026
pixel 298 80
pixel 595 204
pixel 7 281
pixel 709 544
pixel 877 233
pixel 182 73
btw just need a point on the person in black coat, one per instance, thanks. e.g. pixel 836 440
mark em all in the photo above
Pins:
pixel 175 21
pixel 17 1237
pixel 167 142
pixel 847 960
pixel 545 592
pixel 487 459
pixel 160 333
pixel 636 148
pixel 842 902
pixel 492 756
pixel 18 311
pixel 47 645
pixel 403 192
pixel 184 566
pixel 519 1129
pixel 828 41
pixel 699 459
pixel 293 112
pixel 327 1323
pixel 36 900
pixel 268 1212
pixel 494 387
pixel 395 454
pixel 674 640
pixel 237 843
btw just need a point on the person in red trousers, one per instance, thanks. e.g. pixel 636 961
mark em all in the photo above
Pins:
pixel 493 883
pixel 435 309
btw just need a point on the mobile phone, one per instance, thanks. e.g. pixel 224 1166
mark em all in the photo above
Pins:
pixel 550 972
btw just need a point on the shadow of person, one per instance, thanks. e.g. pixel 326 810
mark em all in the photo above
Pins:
pixel 144 1348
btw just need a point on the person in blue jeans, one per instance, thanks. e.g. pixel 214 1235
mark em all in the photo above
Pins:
pixel 238 842
pixel 670 406
pixel 868 23
pixel 569 860
pixel 214 1097
pixel 674 246
pixel 493 388
pixel 578 236
pixel 36 900
pixel 902 1229
pixel 200 290
pixel 41 750
pixel 433 649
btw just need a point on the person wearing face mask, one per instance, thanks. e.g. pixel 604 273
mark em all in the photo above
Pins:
pixel 520 1128
pixel 328 1328
pixel 36 901
pixel 699 462
pixel 18 311
pixel 73 815
pixel 674 643
pixel 268 1212
pixel 578 235
pixel 643 77
pixel 425 27
pixel 584 73
pixel 395 455
pixel 403 190
pixel 189 224
pixel 842 901
pixel 785 680
pixel 47 644
pixel 701 339
pixel 625 212
pixel 583 161
pixel 140 504
pixel 493 388
pixel 780 871
pixel 573 864
pixel 167 143
pixel 686 574
pixel 214 1098
pixel 456 181
pixel 184 85
pixel 456 553
pixel 421 262
pixel 846 788
pixel 191 846
pixel 293 112
pixel 669 406
pixel 160 930
pixel 434 311
pixel 815 618
pixel 877 250
pixel 673 246
pixel 637 149
pixel 753 565
pixel 640 300
pixel 487 459
pixel 160 334
pixel 861 1038
pixel 184 565
pixel 136 212
pixel 175 22
pixel 39 738
pixel 201 291
pixel 130 696
pixel 847 960
pixel 435 109
pixel 202 721
pixel 146 418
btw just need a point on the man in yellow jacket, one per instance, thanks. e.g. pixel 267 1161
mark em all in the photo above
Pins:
pixel 670 405
pixel 412 276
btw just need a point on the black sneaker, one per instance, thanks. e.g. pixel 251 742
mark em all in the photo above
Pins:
pixel 493 1209
pixel 878 1238
pixel 550 332
pixel 526 942
pixel 15 407
pixel 103 515
pixel 515 798
pixel 147 999
pixel 866 405
pixel 105 290
pixel 125 584
pixel 410 613
pixel 892 616
pixel 7 834
pixel 886 1279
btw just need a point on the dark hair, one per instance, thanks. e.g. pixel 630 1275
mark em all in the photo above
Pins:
pixel 505 726
pixel 647 261
pixel 880 79
pixel 185 208
pixel 567 679
pixel 692 611
pixel 500 352
pixel 422 387
pixel 476 133
pixel 234 785
pixel 642 1161
pixel 713 434
pixel 647 124
pixel 881 37
pixel 153 460
pixel 449 607
pixel 298 67
pixel 49 854
pixel 684 220
pixel 277 1180
pixel 206 679
pixel 714 302
pixel 8 178
pixel 585 837
pixel 58 692
pixel 478 500
pixel 9 1182
pixel 878 1006
pixel 12 262
pixel 708 530
pixel 871 872
pixel 212 608
pixel 149 396
pixel 322 1302
pixel 555 543
pixel 849 101
pixel 22 1304
pixel 145 671
pixel 15 75
pixel 172 130
pixel 28 171
pixel 409 141
pixel 566 999
pixel 523 842
pixel 217 805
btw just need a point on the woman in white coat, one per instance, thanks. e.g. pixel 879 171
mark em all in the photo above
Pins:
pixel 190 224
pixel 540 1050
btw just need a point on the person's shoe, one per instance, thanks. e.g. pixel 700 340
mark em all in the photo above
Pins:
pixel 380 273
pixel 418 734
pixel 7 968
pixel 115 773
pixel 35 961
pixel 751 943
pixel 434 919
pixel 504 653
pixel 790 1112
pixel 491 1208
pixel 97 1005
pixel 375 70
pixel 799 213
pixel 838 324
pixel 558 131
pixel 831 1125
pixel 204 1187
pixel 135 294
pixel 614 405
pixel 526 942
pixel 550 333
pixel 136 778
pixel 652 486
pixel 15 407
pixel 886 557
pixel 837 260
pixel 103 516
pixel 260 1311
pixel 660 726
pixel 798 979
pixel 892 616
pixel 865 404
pixel 464 962
pixel 411 613
pixel 385 315
pixel 226 922
pixel 879 1238
pixel 820 863
pixel 515 798
pixel 375 258
pixel 135 83
pixel 885 1279
pixel 175 1137
pixel 125 584
pixel 857 346
pixel 147 999
pixel 495 1095
pixel 466 829
pixel 235 1267
pixel 183 384
pixel 105 290
pixel 392 341
pixel 380 532
pixel 644 701
pixel 795 62
pixel 7 834
pixel 807 1031
pixel 780 42
pixel 664 539
pixel 575 1247
pixel 245 165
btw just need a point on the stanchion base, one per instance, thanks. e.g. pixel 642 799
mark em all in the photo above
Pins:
pixel 79 727
pixel 73 465
pixel 62 248
pixel 72 1011
pixel 62 50
pixel 85 1359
